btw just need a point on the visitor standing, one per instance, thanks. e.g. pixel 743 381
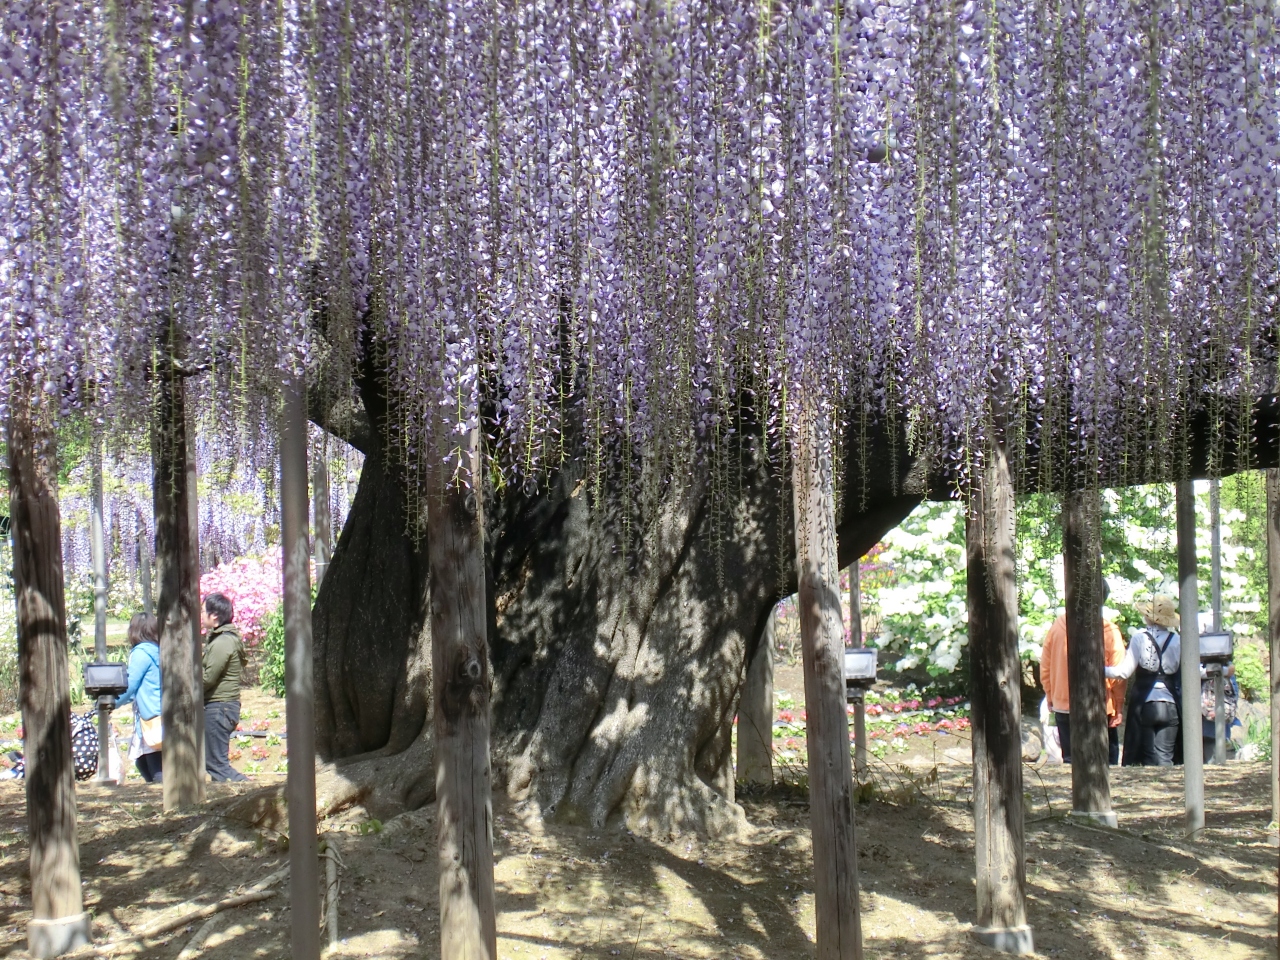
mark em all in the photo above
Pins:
pixel 144 693
pixel 1054 679
pixel 1154 659
pixel 224 663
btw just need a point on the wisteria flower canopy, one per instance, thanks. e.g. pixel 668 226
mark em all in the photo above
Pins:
pixel 629 219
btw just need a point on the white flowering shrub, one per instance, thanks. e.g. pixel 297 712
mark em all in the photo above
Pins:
pixel 914 588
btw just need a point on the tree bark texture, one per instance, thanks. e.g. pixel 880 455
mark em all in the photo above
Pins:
pixel 460 671
pixel 1086 656
pixel 1273 629
pixel 1189 635
pixel 755 712
pixel 304 852
pixel 996 698
pixel 590 645
pixel 42 654
pixel 178 596
pixel 835 852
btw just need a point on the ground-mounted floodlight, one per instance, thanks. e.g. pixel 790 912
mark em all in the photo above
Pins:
pixel 859 672
pixel 1217 648
pixel 105 681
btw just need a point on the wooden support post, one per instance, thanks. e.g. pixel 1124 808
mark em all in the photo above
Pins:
pixel 1273 637
pixel 1273 632
pixel 1086 656
pixel 59 923
pixel 835 852
pixel 996 699
pixel 755 712
pixel 178 601
pixel 304 852
pixel 461 684
pixel 322 548
pixel 98 555
pixel 1189 637
pixel 144 565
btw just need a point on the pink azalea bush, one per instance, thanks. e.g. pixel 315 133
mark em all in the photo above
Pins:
pixel 254 586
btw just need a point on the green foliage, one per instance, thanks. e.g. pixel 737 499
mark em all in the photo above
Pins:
pixel 271 652
pixel 1259 734
pixel 1251 672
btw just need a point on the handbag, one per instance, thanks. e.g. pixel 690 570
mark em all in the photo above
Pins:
pixel 152 732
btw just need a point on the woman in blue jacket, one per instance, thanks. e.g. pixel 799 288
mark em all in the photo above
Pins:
pixel 144 694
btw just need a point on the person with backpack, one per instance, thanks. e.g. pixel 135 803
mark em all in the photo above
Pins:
pixel 1154 661
pixel 224 662
pixel 144 693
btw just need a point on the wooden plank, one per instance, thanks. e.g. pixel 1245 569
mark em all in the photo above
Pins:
pixel 996 700
pixel 755 712
pixel 178 596
pixel 461 684
pixel 1086 655
pixel 58 922
pixel 304 851
pixel 835 853
pixel 1189 634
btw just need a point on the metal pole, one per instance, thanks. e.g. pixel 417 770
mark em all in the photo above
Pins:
pixel 1219 716
pixel 1188 596
pixel 98 556
pixel 855 641
pixel 304 864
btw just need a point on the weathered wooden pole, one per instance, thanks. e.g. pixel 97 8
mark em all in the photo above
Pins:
pixel 755 712
pixel 178 589
pixel 144 566
pixel 1273 631
pixel 835 851
pixel 304 852
pixel 59 923
pixel 98 557
pixel 1189 635
pixel 1215 581
pixel 460 680
pixel 856 642
pixel 1273 637
pixel 1086 656
pixel 323 544
pixel 996 699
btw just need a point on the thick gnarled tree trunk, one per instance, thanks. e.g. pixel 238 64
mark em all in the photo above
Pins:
pixel 615 674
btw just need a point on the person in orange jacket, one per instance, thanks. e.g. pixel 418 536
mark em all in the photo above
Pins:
pixel 1053 677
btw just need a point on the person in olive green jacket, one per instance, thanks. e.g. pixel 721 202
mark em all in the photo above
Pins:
pixel 224 663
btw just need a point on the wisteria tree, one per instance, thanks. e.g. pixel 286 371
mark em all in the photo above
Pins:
pixel 615 297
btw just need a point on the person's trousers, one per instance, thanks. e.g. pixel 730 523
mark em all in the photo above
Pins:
pixel 1159 733
pixel 220 721
pixel 150 766
pixel 1063 720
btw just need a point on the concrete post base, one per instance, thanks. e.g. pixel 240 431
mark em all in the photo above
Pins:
pixel 53 938
pixel 1107 818
pixel 1015 940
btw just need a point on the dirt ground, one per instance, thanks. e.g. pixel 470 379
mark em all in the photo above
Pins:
pixel 566 893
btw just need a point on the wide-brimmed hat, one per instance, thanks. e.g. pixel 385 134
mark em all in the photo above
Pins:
pixel 1161 610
